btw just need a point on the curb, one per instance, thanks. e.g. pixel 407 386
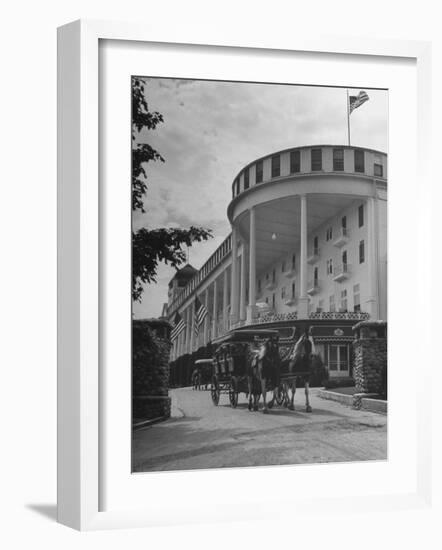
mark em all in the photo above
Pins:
pixel 342 398
pixel 356 401
pixel 150 422
pixel 374 405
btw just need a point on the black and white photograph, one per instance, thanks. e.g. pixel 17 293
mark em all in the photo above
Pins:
pixel 221 317
pixel 259 274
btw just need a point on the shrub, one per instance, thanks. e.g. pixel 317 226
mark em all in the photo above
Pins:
pixel 319 373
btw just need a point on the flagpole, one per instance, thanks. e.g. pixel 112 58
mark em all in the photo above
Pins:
pixel 348 117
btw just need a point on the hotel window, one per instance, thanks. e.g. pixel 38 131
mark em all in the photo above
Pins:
pixel 293 290
pixel 378 169
pixel 267 277
pixel 329 234
pixel 276 166
pixel 332 305
pixel 361 215
pixel 315 245
pixel 343 305
pixel 293 261
pixel 359 161
pixel 320 307
pixel 315 276
pixel 344 224
pixel 338 160
pixel 273 276
pixel 316 160
pixel 267 299
pixel 330 267
pixel 246 179
pixel 361 252
pixel 356 298
pixel 259 171
pixel 283 266
pixel 295 161
pixel 273 301
pixel 344 259
pixel 283 292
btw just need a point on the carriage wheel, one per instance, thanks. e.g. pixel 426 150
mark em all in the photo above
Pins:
pixel 233 394
pixel 214 391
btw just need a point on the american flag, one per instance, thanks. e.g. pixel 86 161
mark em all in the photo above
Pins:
pixel 200 314
pixel 178 326
pixel 357 100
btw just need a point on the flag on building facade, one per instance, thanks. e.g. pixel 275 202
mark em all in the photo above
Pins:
pixel 178 326
pixel 201 313
pixel 356 101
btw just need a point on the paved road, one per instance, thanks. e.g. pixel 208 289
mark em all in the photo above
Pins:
pixel 200 435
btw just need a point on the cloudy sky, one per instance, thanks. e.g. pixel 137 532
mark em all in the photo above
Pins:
pixel 212 129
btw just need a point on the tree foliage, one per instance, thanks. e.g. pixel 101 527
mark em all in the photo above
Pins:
pixel 151 246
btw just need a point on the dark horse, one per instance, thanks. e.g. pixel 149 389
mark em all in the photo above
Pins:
pixel 269 370
pixel 299 370
pixel 253 381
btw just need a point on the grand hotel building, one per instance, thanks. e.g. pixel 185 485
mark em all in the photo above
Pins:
pixel 308 245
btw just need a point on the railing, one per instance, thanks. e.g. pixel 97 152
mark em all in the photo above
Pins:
pixel 274 317
pixel 343 232
pixel 270 284
pixel 290 272
pixel 313 256
pixel 290 300
pixel 339 315
pixel 342 269
pixel 313 286
pixel 322 315
pixel 342 237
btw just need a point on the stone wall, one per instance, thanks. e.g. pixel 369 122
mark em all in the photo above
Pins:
pixel 370 357
pixel 150 369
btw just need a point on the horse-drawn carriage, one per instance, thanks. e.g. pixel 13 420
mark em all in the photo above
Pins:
pixel 235 365
pixel 202 374
pixel 249 361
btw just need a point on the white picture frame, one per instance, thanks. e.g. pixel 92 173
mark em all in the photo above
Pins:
pixel 79 293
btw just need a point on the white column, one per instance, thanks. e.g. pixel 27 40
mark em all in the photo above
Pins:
pixel 234 276
pixel 251 310
pixel 206 320
pixel 303 298
pixel 215 309
pixel 243 283
pixel 225 299
pixel 372 303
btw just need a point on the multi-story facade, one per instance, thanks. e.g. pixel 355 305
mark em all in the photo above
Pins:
pixel 308 246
